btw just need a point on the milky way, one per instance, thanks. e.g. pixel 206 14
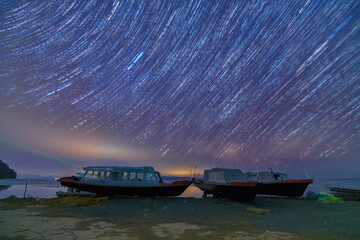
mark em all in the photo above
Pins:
pixel 211 79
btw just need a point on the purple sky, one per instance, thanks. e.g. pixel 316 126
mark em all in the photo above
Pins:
pixel 171 84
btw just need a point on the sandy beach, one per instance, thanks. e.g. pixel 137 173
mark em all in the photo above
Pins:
pixel 177 218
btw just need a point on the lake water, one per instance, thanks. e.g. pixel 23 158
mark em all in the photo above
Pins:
pixel 47 188
pixel 37 188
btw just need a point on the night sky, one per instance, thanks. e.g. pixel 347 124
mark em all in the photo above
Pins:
pixel 174 83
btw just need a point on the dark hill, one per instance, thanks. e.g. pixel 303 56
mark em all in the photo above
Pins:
pixel 5 171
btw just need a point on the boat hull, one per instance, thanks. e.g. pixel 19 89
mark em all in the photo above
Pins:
pixel 290 188
pixel 245 192
pixel 174 189
pixel 346 193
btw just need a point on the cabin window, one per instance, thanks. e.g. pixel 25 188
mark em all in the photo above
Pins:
pixel 252 177
pixel 87 174
pixel 140 176
pixel 96 174
pixel 125 176
pixel 102 175
pixel 114 176
pixel 107 175
pixel 231 178
pixel 132 176
pixel 150 177
pixel 263 177
pixel 121 176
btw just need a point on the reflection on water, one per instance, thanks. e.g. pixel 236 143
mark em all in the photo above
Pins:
pixel 35 188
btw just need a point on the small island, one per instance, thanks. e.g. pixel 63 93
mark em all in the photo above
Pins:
pixel 5 171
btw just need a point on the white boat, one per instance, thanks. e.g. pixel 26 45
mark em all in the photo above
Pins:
pixel 124 181
pixel 228 183
pixel 278 184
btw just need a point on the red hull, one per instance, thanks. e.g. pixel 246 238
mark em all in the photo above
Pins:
pixel 174 189
pixel 290 188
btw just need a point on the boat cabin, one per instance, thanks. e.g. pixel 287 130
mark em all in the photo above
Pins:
pixel 224 176
pixel 144 176
pixel 267 177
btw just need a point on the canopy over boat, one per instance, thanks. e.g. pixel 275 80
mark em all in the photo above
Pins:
pixel 224 176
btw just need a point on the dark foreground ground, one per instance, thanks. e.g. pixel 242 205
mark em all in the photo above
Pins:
pixel 177 218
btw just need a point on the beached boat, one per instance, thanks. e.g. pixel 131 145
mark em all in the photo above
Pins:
pixel 228 183
pixel 348 194
pixel 278 184
pixel 124 181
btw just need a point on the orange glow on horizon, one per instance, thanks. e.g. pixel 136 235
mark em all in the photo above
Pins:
pixel 180 171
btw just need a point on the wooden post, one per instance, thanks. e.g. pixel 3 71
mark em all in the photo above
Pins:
pixel 25 189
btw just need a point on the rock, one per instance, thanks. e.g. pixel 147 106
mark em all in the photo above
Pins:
pixel 5 171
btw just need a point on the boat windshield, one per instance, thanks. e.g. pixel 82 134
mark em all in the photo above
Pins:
pixel 150 177
pixel 122 176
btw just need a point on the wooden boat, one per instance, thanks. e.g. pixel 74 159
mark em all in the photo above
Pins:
pixel 348 194
pixel 278 184
pixel 124 181
pixel 228 183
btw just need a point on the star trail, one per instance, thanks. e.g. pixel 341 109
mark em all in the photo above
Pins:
pixel 219 82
